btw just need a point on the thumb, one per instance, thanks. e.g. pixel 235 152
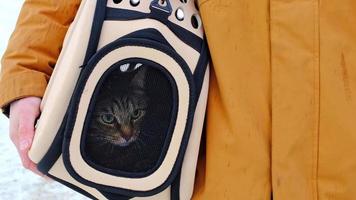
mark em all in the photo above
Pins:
pixel 26 133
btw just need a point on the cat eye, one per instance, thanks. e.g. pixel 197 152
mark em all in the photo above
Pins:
pixel 136 114
pixel 107 118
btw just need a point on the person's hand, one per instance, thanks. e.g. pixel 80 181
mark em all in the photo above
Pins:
pixel 23 115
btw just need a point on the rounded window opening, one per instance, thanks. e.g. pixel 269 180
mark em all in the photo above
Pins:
pixel 130 118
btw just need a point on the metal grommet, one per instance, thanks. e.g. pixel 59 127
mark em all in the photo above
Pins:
pixel 184 1
pixel 117 1
pixel 180 14
pixel 134 2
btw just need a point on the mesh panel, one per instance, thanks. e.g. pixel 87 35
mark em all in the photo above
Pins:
pixel 130 119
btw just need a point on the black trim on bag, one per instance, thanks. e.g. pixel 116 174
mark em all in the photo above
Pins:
pixel 97 25
pixel 150 34
pixel 183 34
pixel 199 75
pixel 200 69
pixel 76 98
pixel 169 131
pixel 109 196
pixel 113 196
pixel 175 187
pixel 73 187
pixel 55 150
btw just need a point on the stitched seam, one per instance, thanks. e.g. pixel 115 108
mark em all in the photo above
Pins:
pixel 316 99
pixel 272 147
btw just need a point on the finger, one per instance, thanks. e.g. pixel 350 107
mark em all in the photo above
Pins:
pixel 23 114
pixel 25 135
pixel 23 148
pixel 26 129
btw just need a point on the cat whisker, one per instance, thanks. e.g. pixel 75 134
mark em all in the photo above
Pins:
pixel 100 138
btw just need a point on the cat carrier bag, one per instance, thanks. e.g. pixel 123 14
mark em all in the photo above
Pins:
pixel 123 113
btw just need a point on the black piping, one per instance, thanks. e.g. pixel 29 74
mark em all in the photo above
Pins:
pixel 183 34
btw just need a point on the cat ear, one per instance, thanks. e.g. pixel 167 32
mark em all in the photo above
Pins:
pixel 139 78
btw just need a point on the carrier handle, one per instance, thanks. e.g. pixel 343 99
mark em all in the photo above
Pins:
pixel 162 6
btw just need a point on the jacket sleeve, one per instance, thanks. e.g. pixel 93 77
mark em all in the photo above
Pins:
pixel 34 48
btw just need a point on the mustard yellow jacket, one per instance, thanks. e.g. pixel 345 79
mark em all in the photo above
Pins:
pixel 281 113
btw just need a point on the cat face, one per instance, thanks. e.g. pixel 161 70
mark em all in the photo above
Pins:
pixel 118 116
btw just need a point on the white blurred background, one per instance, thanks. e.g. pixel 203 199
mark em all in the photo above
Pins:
pixel 17 183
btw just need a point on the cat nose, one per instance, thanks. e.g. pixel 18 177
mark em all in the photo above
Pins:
pixel 126 132
pixel 127 137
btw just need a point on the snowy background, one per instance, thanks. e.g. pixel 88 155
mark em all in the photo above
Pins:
pixel 15 182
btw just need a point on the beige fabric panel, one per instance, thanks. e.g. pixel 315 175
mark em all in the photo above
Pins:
pixel 58 93
pixel 161 174
pixel 188 8
pixel 59 170
pixel 115 29
pixel 191 155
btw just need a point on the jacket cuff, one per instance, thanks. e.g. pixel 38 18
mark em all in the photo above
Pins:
pixel 25 84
